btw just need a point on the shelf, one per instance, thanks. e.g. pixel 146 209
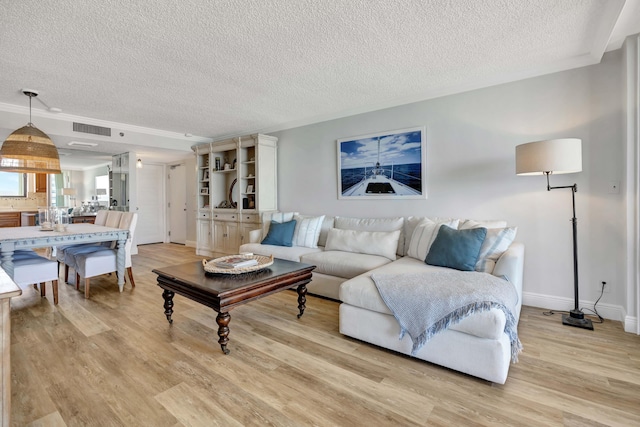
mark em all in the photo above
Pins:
pixel 248 162
pixel 224 171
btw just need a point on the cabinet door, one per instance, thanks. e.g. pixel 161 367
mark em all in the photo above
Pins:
pixel 10 219
pixel 41 183
pixel 232 244
pixel 204 235
pixel 225 237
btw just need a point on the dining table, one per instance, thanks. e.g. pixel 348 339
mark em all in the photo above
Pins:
pixel 14 238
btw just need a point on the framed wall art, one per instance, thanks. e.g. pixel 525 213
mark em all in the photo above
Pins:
pixel 385 165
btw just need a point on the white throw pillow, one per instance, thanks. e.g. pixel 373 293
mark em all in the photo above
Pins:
pixel 374 224
pixel 423 236
pixel 307 231
pixel 382 243
pixel 496 242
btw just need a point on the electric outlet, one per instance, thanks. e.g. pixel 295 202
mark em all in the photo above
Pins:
pixel 607 287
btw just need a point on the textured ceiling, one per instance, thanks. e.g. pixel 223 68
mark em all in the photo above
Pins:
pixel 219 68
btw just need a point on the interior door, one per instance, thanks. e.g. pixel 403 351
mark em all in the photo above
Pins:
pixel 177 204
pixel 151 205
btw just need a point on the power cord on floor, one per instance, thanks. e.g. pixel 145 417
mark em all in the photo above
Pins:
pixel 594 311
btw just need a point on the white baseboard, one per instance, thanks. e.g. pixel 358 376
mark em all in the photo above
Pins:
pixel 190 243
pixel 631 324
pixel 608 311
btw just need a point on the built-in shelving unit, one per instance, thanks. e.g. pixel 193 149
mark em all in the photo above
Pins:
pixel 236 183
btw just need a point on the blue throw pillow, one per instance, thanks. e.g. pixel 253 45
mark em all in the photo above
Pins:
pixel 280 234
pixel 457 249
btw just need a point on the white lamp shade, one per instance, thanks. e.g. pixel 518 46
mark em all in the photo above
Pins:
pixel 554 155
pixel 69 191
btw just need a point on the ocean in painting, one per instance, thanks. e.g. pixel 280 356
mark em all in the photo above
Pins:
pixel 409 174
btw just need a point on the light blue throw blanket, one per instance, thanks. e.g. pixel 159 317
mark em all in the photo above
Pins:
pixel 425 304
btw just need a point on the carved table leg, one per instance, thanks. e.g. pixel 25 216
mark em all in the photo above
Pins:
pixel 223 330
pixel 302 299
pixel 168 304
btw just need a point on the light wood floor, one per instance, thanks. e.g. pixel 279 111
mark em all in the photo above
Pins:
pixel 114 360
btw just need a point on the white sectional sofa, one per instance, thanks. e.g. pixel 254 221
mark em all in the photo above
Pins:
pixel 347 251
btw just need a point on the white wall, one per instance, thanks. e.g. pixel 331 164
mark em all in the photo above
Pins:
pixel 471 139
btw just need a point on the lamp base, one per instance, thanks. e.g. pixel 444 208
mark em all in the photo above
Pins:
pixel 576 318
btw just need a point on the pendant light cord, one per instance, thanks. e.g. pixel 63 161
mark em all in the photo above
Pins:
pixel 30 96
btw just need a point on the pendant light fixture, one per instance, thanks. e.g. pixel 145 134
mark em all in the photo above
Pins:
pixel 28 149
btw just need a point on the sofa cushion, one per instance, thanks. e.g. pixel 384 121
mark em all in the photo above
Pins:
pixel 280 234
pixel 383 243
pixel 362 292
pixel 293 253
pixel 327 225
pixel 457 249
pixel 374 224
pixel 343 264
pixel 307 230
pixel 424 234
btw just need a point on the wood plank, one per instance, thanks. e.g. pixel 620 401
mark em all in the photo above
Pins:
pixel 51 420
pixel 188 406
pixel 115 360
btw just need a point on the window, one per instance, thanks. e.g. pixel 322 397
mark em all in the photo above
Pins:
pixel 13 184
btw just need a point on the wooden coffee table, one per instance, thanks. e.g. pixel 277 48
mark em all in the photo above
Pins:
pixel 222 292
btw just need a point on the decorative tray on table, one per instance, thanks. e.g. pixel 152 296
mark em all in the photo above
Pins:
pixel 237 264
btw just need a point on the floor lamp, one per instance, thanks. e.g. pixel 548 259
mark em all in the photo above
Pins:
pixel 557 156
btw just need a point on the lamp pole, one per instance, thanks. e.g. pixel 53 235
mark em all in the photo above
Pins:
pixel 576 316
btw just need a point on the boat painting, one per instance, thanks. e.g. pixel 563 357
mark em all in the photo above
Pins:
pixel 390 165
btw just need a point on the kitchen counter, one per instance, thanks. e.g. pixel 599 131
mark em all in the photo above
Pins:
pixel 27 217
pixel 88 218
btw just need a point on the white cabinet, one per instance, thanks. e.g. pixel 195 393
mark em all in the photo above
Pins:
pixel 204 243
pixel 225 237
pixel 236 182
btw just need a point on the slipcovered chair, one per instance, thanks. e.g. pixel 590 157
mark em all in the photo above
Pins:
pixel 29 268
pixel 113 219
pixel 95 263
pixel 103 217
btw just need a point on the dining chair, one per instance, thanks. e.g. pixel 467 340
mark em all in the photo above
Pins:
pixel 101 219
pixel 29 268
pixel 90 264
pixel 113 219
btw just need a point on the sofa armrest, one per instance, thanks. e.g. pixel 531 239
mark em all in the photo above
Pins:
pixel 255 236
pixel 511 265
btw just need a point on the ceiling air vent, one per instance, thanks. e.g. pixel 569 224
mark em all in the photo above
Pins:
pixel 95 130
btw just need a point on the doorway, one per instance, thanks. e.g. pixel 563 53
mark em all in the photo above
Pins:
pixel 151 201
